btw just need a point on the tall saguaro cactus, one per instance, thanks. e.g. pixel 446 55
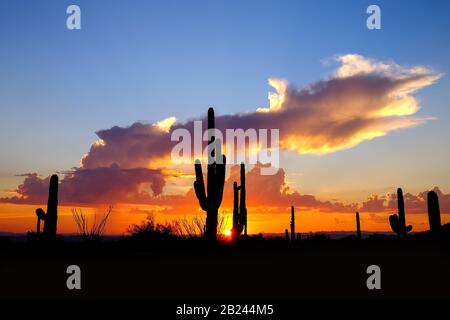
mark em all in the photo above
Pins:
pixel 51 217
pixel 434 213
pixel 239 206
pixel 292 224
pixel 210 197
pixel 398 222
pixel 358 227
pixel 292 237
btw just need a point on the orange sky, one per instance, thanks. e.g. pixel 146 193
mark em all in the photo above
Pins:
pixel 21 218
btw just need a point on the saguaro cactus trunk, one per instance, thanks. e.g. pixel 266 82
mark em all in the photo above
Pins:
pixel 358 227
pixel 239 206
pixel 434 213
pixel 210 201
pixel 398 222
pixel 51 217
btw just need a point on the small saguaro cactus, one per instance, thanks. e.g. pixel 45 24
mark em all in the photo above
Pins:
pixel 215 179
pixel 286 234
pixel 239 206
pixel 51 217
pixel 434 213
pixel 398 222
pixel 358 227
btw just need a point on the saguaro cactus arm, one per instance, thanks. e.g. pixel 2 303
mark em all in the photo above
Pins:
pixel 396 225
pixel 398 222
pixel 239 206
pixel 243 201
pixel 220 180
pixel 199 186
pixel 40 214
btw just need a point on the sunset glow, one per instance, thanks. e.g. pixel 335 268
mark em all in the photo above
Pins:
pixel 355 121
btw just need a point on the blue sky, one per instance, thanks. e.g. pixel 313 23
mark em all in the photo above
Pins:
pixel 147 60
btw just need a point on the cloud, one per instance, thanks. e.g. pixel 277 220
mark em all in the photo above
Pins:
pixel 98 185
pixel 106 185
pixel 363 99
pixel 136 146
pixel 273 191
pixel 374 203
pixel 267 193
pixel 413 203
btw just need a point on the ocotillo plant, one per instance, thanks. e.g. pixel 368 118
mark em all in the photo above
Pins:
pixel 292 224
pixel 51 217
pixel 398 222
pixel 215 179
pixel 239 206
pixel 358 227
pixel 434 213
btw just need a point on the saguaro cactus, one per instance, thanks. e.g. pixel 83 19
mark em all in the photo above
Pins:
pixel 398 222
pixel 293 236
pixel 358 227
pixel 51 217
pixel 434 213
pixel 239 206
pixel 292 224
pixel 215 179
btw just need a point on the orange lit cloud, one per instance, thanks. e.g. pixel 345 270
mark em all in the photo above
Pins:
pixel 363 99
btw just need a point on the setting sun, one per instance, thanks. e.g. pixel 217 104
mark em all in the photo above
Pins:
pixel 227 233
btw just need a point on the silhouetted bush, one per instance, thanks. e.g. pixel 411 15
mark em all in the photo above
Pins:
pixel 317 237
pixel 96 230
pixel 149 230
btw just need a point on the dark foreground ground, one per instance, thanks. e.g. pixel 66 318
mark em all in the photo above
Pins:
pixel 258 270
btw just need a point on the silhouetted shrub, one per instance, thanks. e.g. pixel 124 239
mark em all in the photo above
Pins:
pixel 317 237
pixel 96 230
pixel 195 227
pixel 149 230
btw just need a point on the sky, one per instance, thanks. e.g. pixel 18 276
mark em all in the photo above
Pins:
pixel 144 61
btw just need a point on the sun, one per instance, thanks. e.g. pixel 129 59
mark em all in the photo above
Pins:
pixel 227 233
